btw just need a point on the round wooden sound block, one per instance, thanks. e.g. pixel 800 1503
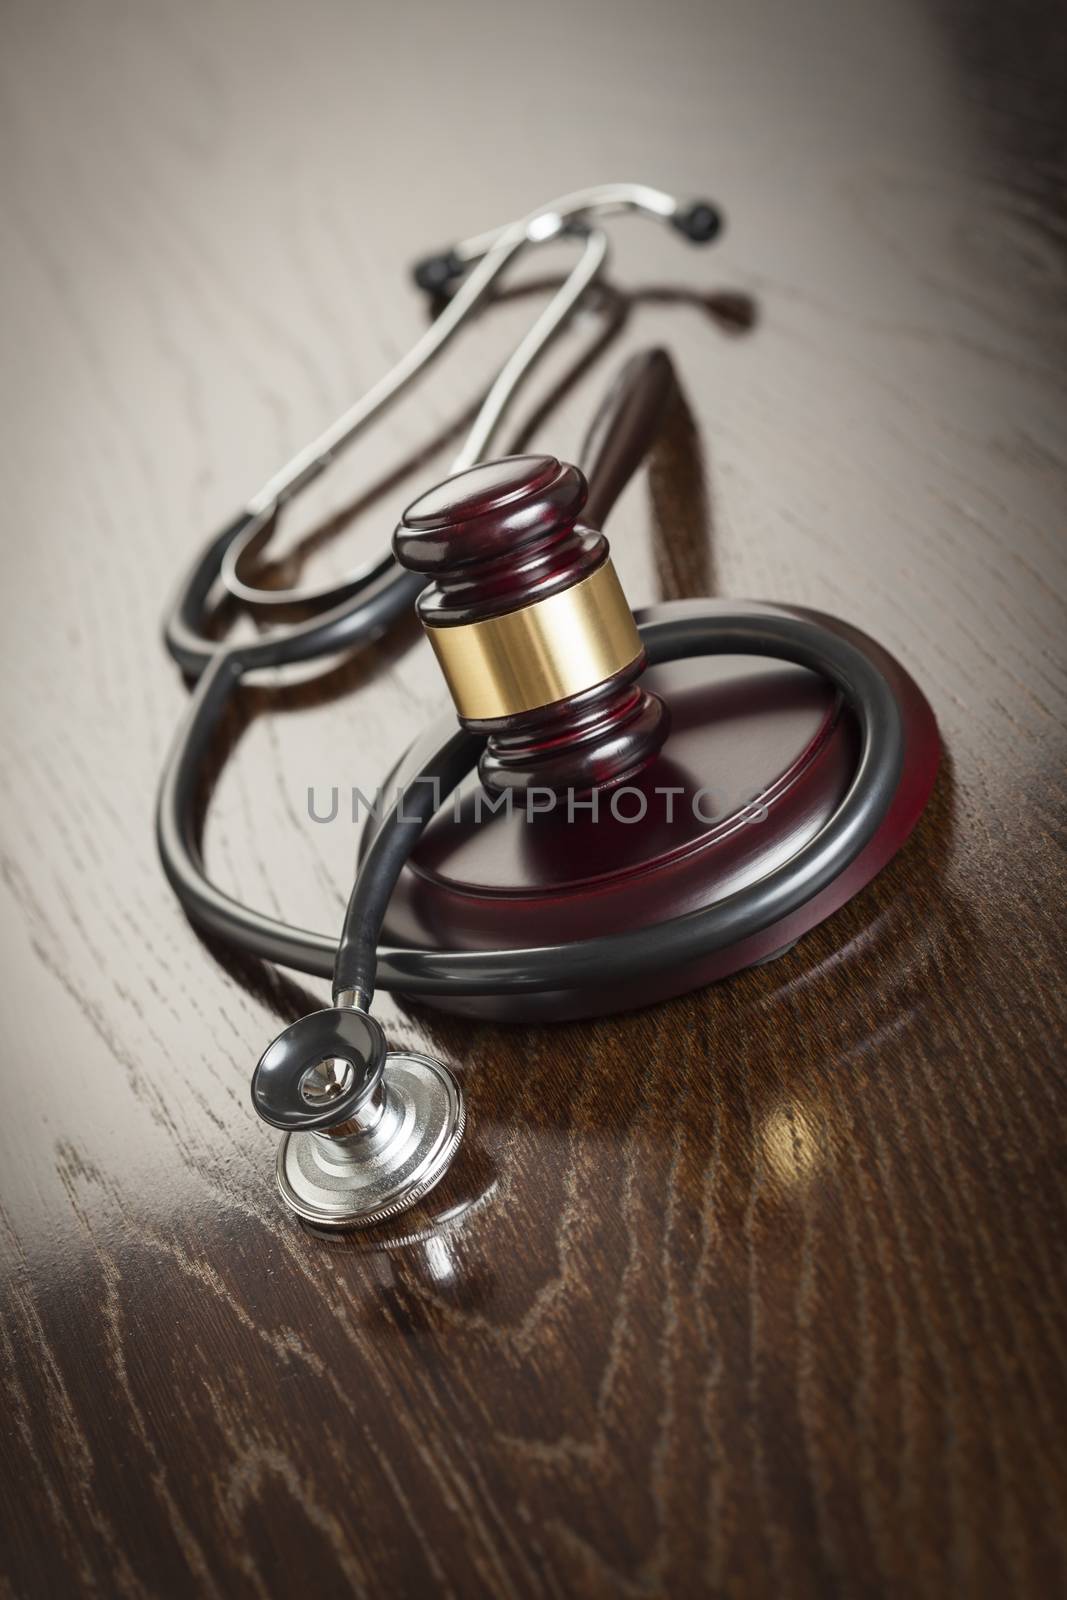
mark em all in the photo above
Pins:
pixel 759 756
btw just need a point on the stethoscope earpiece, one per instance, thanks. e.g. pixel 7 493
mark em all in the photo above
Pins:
pixel 367 1132
pixel 700 222
pixel 434 274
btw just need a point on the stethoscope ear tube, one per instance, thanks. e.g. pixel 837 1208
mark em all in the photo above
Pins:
pixel 366 600
pixel 478 262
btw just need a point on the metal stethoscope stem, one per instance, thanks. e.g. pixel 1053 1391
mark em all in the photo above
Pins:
pixel 360 606
pixel 479 261
pixel 488 254
pixel 308 463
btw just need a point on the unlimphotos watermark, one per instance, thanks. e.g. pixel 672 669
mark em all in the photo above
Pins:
pixel 625 804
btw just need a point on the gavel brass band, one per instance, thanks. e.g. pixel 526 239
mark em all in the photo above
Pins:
pixel 541 653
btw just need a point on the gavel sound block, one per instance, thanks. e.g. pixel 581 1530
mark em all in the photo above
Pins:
pixel 608 797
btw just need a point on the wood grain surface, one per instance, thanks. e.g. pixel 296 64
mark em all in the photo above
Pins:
pixel 759 1293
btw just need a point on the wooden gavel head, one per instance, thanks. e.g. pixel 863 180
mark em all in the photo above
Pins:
pixel 531 628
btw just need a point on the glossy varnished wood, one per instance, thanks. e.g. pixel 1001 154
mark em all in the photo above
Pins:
pixel 760 1292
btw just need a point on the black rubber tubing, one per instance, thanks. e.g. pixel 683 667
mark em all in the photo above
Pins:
pixel 358 962
pixel 348 623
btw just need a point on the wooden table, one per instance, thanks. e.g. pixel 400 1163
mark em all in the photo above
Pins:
pixel 758 1293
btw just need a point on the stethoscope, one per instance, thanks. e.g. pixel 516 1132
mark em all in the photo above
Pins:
pixel 367 1132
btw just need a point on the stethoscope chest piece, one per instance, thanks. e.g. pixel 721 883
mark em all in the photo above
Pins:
pixel 366 1133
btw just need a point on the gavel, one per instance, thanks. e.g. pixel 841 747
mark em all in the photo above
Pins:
pixel 531 628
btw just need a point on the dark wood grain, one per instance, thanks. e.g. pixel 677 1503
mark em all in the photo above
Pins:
pixel 761 1292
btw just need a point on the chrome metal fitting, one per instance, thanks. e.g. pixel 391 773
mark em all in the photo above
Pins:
pixel 367 1132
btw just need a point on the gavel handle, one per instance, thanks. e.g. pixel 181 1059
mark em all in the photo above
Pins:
pixel 624 429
